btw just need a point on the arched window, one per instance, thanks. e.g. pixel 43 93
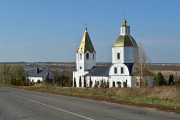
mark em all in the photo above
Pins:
pixel 80 56
pixel 115 70
pixel 118 56
pixel 122 70
pixel 87 55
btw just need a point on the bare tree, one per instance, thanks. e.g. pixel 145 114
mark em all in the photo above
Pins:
pixel 143 65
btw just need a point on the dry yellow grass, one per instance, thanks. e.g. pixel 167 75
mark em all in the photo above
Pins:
pixel 166 98
pixel 169 92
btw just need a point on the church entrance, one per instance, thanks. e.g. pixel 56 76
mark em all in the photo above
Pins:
pixel 113 84
pixel 119 84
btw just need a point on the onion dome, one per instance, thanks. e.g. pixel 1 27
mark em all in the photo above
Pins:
pixel 125 39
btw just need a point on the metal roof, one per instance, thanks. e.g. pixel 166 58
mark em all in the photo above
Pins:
pixel 125 41
pixel 99 71
pixel 40 73
pixel 130 67
pixel 104 70
pixel 86 44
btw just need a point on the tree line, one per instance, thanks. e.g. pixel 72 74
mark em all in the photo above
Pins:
pixel 16 75
pixel 160 81
pixel 12 74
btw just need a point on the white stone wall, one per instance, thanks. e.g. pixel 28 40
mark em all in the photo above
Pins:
pixel 116 50
pixel 82 63
pixel 125 30
pixel 118 66
pixel 127 54
pixel 77 76
pixel 35 79
pixel 96 80
pixel 120 77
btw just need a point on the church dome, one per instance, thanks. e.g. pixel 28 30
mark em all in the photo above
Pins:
pixel 125 41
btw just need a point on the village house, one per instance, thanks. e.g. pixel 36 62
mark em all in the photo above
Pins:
pixel 37 74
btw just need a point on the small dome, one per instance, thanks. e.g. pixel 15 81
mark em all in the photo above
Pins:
pixel 125 41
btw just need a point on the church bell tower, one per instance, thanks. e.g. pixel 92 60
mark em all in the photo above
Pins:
pixel 125 47
pixel 85 60
pixel 86 54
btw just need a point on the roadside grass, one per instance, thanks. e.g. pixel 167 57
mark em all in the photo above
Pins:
pixel 165 98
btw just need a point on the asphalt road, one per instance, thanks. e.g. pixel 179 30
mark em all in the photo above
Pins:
pixel 18 104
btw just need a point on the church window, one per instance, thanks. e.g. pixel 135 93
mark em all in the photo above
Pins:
pixel 118 56
pixel 115 70
pixel 122 70
pixel 80 67
pixel 87 56
pixel 80 56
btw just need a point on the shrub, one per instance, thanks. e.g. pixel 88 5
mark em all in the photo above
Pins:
pixel 171 79
pixel 159 79
pixel 124 84
pixel 64 81
pixel 104 84
pixel 38 82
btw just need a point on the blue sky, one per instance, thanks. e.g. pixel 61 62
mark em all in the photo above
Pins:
pixel 51 30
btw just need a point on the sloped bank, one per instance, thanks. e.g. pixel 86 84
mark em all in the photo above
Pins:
pixel 162 98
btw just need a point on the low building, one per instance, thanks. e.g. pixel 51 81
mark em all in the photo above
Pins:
pixel 38 74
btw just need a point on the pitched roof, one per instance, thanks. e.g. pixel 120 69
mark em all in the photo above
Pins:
pixel 99 71
pixel 86 44
pixel 39 73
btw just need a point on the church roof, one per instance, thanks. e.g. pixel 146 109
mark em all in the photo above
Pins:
pixel 104 70
pixel 86 44
pixel 99 71
pixel 130 67
pixel 125 41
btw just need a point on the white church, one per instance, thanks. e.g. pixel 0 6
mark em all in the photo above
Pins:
pixel 118 74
